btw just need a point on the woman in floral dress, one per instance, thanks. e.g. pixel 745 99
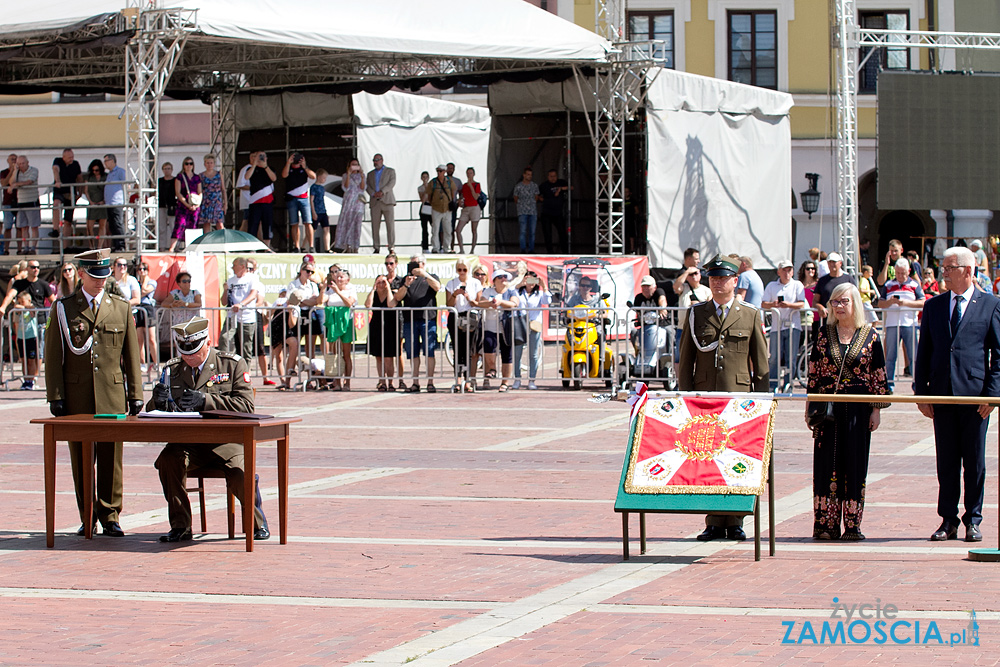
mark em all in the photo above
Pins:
pixel 213 208
pixel 352 209
pixel 841 447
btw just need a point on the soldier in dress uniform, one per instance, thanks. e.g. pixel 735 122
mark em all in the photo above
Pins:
pixel 201 379
pixel 723 348
pixel 92 367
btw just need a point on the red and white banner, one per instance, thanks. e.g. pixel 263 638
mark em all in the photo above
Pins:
pixel 699 445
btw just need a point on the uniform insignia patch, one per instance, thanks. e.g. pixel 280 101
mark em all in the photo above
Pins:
pixel 246 377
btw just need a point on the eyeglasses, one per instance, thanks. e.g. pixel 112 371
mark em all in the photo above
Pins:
pixel 309 271
pixel 840 302
pixel 68 270
pixel 479 275
pixel 810 268
pixel 182 282
pixel 946 268
pixel 121 265
pixel 189 163
pixel 390 263
pixel 462 270
pixel 33 266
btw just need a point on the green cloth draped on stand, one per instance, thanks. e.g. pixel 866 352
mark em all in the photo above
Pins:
pixel 339 323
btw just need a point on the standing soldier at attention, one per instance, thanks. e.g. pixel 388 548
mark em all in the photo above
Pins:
pixel 723 348
pixel 92 367
pixel 201 379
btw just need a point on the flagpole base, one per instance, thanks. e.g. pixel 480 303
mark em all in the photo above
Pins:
pixel 985 555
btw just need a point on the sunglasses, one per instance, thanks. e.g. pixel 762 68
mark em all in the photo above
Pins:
pixel 390 263
pixel 34 266
pixel 189 163
pixel 309 271
pixel 479 275
pixel 182 282
pixel 68 270
pixel 121 266
pixel 462 270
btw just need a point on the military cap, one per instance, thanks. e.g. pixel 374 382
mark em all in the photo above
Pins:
pixel 190 336
pixel 95 263
pixel 721 266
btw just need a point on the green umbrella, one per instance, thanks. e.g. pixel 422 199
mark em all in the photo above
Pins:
pixel 226 240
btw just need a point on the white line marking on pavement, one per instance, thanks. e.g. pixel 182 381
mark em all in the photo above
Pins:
pixel 518 444
pixel 470 638
pixel 352 404
pixel 133 521
pixel 212 598
pixel 923 447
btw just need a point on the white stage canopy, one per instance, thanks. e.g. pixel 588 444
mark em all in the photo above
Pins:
pixel 719 170
pixel 305 42
pixel 414 134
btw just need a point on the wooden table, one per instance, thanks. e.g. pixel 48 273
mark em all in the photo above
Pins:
pixel 88 430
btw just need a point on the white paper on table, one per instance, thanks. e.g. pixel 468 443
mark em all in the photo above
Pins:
pixel 168 415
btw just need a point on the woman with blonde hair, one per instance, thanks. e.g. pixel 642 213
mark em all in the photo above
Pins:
pixel 847 358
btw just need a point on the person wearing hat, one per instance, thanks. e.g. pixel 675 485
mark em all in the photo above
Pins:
pixel 788 296
pixel 201 379
pixel 441 193
pixel 723 349
pixel 982 261
pixel 92 367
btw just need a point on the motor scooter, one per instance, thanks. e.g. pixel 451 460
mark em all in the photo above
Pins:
pixel 585 352
pixel 652 351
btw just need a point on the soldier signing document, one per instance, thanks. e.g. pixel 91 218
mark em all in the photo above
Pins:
pixel 723 348
pixel 201 378
pixel 92 367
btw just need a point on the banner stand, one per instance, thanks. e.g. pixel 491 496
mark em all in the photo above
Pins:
pixel 695 503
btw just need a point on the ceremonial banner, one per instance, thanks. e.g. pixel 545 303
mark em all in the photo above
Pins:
pixel 699 445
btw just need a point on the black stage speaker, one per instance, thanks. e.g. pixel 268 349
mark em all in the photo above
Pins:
pixel 938 141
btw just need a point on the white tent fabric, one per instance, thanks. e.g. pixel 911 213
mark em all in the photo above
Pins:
pixel 719 170
pixel 509 98
pixel 474 28
pixel 414 134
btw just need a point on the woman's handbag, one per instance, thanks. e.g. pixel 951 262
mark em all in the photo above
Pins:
pixel 469 320
pixel 820 413
pixel 193 197
pixel 520 329
pixel 481 200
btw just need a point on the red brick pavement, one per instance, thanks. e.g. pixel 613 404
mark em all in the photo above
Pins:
pixel 477 532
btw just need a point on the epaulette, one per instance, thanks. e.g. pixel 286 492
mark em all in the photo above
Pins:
pixel 749 305
pixel 230 356
pixel 116 296
pixel 175 360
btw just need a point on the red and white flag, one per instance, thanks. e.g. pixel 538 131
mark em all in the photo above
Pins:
pixel 699 445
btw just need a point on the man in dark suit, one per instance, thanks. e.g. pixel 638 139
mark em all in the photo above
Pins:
pixel 723 348
pixel 959 355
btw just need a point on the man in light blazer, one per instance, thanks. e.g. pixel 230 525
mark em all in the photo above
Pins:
pixel 379 184
pixel 959 355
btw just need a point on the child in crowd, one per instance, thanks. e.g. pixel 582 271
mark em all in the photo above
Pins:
pixel 317 205
pixel 26 332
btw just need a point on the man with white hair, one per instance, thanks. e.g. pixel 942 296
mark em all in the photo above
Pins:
pixel 901 293
pixel 959 355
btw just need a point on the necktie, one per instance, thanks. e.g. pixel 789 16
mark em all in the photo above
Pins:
pixel 721 311
pixel 94 305
pixel 956 314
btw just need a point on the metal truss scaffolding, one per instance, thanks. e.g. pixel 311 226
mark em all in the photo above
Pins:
pixel 847 134
pixel 848 39
pixel 620 89
pixel 224 140
pixel 150 57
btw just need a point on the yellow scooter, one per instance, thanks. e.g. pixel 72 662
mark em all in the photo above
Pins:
pixel 585 353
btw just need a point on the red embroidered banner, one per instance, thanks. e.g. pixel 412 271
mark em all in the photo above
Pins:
pixel 699 445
